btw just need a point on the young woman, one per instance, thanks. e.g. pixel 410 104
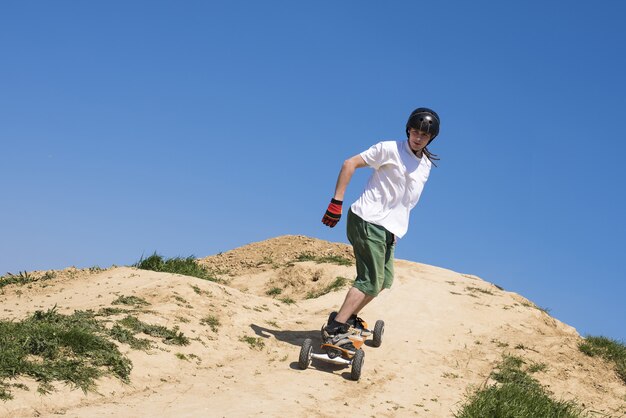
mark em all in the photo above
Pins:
pixel 381 213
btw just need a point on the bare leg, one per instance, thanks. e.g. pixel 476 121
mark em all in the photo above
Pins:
pixel 367 300
pixel 354 302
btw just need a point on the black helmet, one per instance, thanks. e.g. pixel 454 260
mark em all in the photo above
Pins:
pixel 425 120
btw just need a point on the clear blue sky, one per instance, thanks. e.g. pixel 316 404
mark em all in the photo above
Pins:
pixel 197 127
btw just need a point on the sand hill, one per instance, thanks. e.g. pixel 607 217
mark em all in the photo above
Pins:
pixel 445 333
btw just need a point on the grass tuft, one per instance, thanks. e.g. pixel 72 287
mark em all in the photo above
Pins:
pixel 125 336
pixel 331 259
pixel 211 321
pixel 49 347
pixel 287 300
pixel 537 367
pixel 254 343
pixel 478 289
pixel 611 350
pixel 168 336
pixel 199 291
pixel 516 394
pixel 108 311
pixel 274 291
pixel 24 277
pixel 131 301
pixel 187 266
pixel 337 284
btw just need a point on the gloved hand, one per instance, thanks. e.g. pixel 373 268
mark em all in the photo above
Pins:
pixel 333 213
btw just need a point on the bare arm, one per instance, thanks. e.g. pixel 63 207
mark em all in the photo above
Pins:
pixel 345 175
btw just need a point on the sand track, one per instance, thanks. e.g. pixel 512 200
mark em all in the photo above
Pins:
pixel 445 332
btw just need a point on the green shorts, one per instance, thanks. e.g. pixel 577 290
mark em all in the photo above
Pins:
pixel 373 249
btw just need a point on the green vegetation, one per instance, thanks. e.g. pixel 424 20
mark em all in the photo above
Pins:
pixel 537 367
pixel 23 278
pixel 187 266
pixel 532 305
pixel 168 336
pixel 332 259
pixel 516 394
pixel 499 343
pixel 108 311
pixel 478 289
pixel 255 343
pixel 306 257
pixel 188 357
pixel 211 321
pixel 274 291
pixel 130 300
pixel 201 292
pixel 608 349
pixel 49 347
pixel 267 261
pixel 126 336
pixel 287 300
pixel 182 302
pixel 337 284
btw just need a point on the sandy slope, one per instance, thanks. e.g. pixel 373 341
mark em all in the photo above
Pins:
pixel 445 332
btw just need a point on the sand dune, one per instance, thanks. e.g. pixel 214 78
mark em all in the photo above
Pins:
pixel 445 333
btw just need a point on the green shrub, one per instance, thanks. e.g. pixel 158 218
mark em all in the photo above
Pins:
pixel 49 346
pixel 516 394
pixel 187 266
pixel 611 350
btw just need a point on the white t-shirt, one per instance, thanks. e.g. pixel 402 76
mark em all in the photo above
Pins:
pixel 394 187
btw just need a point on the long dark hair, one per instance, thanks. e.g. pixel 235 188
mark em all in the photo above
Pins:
pixel 432 157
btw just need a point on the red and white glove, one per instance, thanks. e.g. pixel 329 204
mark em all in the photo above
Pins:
pixel 333 213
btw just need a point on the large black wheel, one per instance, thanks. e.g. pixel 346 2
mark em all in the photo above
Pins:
pixel 357 364
pixel 305 354
pixel 379 330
